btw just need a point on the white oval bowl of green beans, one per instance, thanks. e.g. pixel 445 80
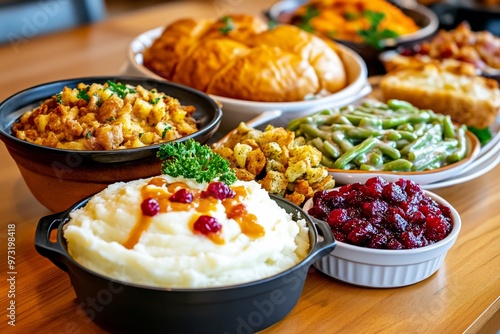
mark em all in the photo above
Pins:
pixel 394 139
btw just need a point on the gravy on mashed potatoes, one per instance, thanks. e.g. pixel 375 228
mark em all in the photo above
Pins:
pixel 113 236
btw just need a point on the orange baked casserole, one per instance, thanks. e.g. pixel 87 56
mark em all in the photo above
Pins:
pixel 350 19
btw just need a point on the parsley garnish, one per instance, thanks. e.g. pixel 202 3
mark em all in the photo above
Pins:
pixel 192 160
pixel 120 89
pixel 305 20
pixel 373 36
pixel 88 134
pixel 484 135
pixel 82 94
pixel 110 119
pixel 155 100
pixel 271 24
pixel 228 25
pixel 59 98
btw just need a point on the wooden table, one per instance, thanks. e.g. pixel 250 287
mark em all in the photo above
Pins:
pixel 463 296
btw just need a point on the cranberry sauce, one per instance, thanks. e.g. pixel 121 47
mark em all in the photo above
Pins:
pixel 384 215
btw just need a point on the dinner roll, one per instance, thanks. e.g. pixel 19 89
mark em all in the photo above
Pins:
pixel 265 74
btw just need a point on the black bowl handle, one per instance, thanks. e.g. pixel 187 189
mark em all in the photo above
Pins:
pixel 326 241
pixel 53 250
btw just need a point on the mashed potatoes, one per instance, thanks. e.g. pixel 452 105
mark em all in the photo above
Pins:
pixel 113 236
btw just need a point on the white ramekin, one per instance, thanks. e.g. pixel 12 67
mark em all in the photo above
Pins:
pixel 385 268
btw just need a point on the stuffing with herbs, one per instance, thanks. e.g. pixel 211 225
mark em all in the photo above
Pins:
pixel 106 116
pixel 282 164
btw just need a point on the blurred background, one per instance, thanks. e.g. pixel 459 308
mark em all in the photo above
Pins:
pixel 36 17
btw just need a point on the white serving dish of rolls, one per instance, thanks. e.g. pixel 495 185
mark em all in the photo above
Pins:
pixel 236 111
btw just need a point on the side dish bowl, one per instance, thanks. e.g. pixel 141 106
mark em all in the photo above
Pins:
pixel 387 268
pixel 425 18
pixel 58 178
pixel 247 307
pixel 236 111
pixel 423 178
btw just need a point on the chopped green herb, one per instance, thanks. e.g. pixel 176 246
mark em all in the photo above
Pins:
pixel 165 129
pixel 484 135
pixel 120 89
pixel 59 98
pixel 88 134
pixel 82 94
pixel 271 24
pixel 351 16
pixel 155 100
pixel 305 20
pixel 110 119
pixel 373 36
pixel 228 25
pixel 193 160
pixel 140 134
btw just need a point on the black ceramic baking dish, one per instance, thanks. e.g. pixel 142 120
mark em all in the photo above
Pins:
pixel 129 308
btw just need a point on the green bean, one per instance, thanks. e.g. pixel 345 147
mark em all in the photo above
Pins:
pixel 392 135
pixel 372 123
pixel 331 148
pixel 428 161
pixel 407 135
pixel 448 129
pixel 294 124
pixel 375 159
pixel 363 133
pixel 399 104
pixel 387 149
pixel 448 145
pixel 339 138
pixel 400 165
pixel 367 167
pixel 421 141
pixel 360 159
pixel 327 162
pixel 406 127
pixel 313 131
pixel 349 155
pixel 461 150
pixel 380 136
pixel 318 143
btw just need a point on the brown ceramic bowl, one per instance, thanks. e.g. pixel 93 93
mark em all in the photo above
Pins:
pixel 59 178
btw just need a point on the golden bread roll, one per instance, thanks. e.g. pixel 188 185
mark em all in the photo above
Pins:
pixel 326 62
pixel 205 55
pixel 204 59
pixel 282 76
pixel 237 27
pixel 172 45
pixel 468 99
